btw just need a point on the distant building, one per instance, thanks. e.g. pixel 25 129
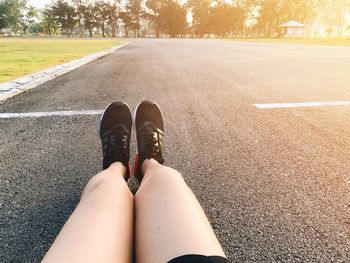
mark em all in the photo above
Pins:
pixel 292 29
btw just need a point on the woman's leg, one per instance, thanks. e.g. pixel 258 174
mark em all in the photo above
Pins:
pixel 169 220
pixel 101 227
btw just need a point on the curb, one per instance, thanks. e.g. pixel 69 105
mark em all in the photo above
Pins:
pixel 20 85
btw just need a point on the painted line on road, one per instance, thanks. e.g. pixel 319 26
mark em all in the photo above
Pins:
pixel 49 114
pixel 301 104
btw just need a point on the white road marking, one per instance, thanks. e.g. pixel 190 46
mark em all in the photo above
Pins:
pixel 49 114
pixel 301 104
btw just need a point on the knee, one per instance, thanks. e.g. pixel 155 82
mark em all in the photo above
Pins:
pixel 163 173
pixel 172 174
pixel 106 184
pixel 160 177
pixel 98 180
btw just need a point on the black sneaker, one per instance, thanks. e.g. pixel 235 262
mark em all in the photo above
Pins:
pixel 149 127
pixel 115 134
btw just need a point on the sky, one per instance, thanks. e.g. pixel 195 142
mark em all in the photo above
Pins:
pixel 39 3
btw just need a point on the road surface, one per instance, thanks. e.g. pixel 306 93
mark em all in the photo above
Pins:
pixel 275 183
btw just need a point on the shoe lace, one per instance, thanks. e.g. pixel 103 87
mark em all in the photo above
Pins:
pixel 152 146
pixel 118 144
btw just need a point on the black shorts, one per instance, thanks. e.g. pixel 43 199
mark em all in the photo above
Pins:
pixel 199 259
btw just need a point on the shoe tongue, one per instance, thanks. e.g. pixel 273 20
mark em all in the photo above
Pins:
pixel 148 127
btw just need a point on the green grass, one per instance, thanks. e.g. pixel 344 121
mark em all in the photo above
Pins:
pixel 302 41
pixel 19 57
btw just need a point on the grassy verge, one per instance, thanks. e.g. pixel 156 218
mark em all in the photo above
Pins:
pixel 302 41
pixel 19 57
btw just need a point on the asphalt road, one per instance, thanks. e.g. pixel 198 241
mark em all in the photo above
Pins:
pixel 274 183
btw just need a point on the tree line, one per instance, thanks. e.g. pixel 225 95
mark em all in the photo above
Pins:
pixel 197 18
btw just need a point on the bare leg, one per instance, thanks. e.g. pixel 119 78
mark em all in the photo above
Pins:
pixel 169 220
pixel 101 227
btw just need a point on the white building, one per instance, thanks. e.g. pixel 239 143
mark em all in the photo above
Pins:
pixel 292 29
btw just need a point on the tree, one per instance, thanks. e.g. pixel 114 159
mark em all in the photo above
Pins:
pixel 28 18
pixel 335 15
pixel 77 4
pixel 37 28
pixel 102 9
pixel 270 17
pixel 12 14
pixel 300 10
pixel 200 10
pixel 221 17
pixel 172 18
pixel 152 13
pixel 4 22
pixel 126 19
pixel 134 10
pixel 226 19
pixel 89 17
pixel 65 16
pixel 168 17
pixel 113 17
pixel 274 12
pixel 48 21
pixel 239 15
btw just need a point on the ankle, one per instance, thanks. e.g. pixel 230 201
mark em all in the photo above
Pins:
pixel 149 164
pixel 119 168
